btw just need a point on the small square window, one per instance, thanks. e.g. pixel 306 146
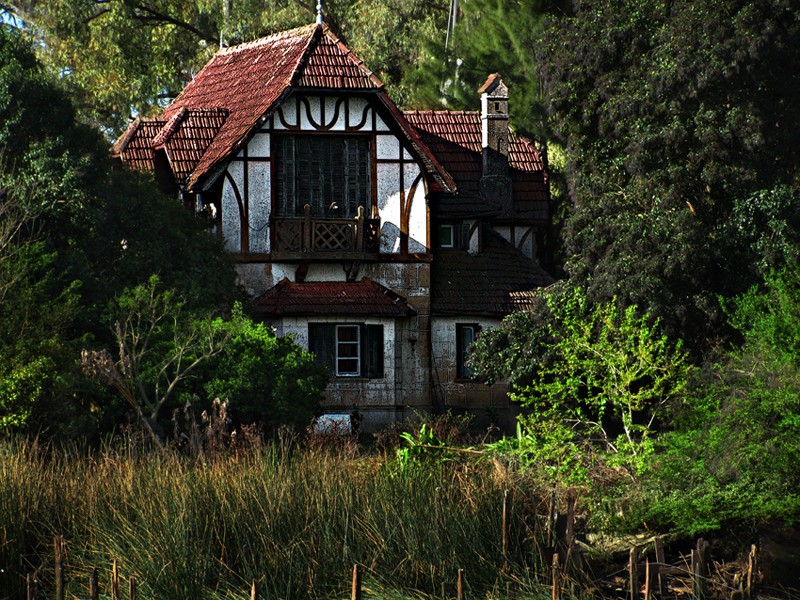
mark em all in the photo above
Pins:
pixel 446 236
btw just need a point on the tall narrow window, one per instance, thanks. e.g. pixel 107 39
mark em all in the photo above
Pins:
pixel 465 335
pixel 330 173
pixel 348 350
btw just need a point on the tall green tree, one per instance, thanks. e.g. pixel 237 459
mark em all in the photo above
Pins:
pixel 75 233
pixel 671 113
pixel 126 57
pixel 484 37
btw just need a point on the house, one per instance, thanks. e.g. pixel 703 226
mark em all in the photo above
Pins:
pixel 382 240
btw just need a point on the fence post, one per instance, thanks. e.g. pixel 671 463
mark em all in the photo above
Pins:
pixel 699 569
pixel 32 585
pixel 356 592
pixel 254 591
pixel 504 537
pixel 556 578
pixel 633 575
pixel 647 579
pixel 752 568
pixel 660 562
pixel 132 588
pixel 58 547
pixel 460 585
pixel 94 589
pixel 114 581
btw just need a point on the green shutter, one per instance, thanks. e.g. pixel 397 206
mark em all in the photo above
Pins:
pixel 322 342
pixel 373 351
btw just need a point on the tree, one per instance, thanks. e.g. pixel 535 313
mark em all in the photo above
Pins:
pixel 488 36
pixel 75 234
pixel 160 345
pixel 731 453
pixel 671 113
pixel 267 380
pixel 125 57
pixel 589 376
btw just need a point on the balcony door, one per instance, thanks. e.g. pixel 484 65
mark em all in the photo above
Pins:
pixel 330 173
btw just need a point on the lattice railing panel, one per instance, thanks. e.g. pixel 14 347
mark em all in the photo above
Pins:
pixel 332 236
pixel 288 236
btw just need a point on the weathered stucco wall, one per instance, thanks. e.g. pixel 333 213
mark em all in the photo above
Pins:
pixel 398 190
pixel 486 403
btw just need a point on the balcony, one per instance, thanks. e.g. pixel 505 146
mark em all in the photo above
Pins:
pixel 307 237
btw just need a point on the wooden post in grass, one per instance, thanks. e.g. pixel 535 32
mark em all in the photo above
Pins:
pixel 356 592
pixel 132 588
pixel 647 579
pixel 58 547
pixel 254 591
pixel 115 581
pixel 633 575
pixel 660 562
pixel 32 585
pixel 94 588
pixel 752 571
pixel 556 575
pixel 506 514
pixel 460 585
pixel 700 570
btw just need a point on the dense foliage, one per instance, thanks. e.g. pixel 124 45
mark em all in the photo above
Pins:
pixel 678 119
pixel 79 246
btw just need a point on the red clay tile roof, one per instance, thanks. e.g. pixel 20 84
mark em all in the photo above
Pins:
pixel 455 138
pixel 249 81
pixel 496 281
pixel 187 136
pixel 135 146
pixel 362 298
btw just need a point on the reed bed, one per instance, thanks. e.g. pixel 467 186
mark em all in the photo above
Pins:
pixel 293 519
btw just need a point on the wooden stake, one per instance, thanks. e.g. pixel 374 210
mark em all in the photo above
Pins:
pixel 504 537
pixel 94 588
pixel 752 568
pixel 647 579
pixel 460 585
pixel 132 588
pixel 114 581
pixel 254 591
pixel 633 575
pixel 31 586
pixel 700 569
pixel 556 575
pixel 58 546
pixel 356 593
pixel 660 561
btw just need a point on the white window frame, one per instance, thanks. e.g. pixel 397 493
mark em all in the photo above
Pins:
pixel 356 344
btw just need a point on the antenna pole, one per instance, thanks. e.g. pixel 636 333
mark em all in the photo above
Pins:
pixel 319 12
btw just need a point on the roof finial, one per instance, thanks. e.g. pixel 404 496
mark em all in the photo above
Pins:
pixel 319 12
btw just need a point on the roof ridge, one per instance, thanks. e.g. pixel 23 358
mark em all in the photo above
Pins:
pixel 268 39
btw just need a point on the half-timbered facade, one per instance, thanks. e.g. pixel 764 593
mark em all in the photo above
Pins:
pixel 369 234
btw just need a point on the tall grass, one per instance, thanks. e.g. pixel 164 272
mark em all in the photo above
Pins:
pixel 295 520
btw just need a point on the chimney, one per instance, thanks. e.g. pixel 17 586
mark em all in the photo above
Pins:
pixel 495 182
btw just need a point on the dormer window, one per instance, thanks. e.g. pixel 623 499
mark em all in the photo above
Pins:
pixel 330 173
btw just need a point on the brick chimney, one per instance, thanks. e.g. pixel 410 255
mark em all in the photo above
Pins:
pixel 496 181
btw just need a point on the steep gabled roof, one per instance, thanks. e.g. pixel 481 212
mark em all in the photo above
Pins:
pixel 455 138
pixel 250 80
pixel 332 298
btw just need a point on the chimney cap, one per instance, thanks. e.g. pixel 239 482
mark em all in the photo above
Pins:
pixel 494 86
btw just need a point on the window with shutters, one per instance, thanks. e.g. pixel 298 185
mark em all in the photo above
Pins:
pixel 348 349
pixel 330 173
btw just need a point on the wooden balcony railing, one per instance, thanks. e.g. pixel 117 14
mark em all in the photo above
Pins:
pixel 313 237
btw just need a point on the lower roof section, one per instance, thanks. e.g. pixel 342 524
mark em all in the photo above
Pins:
pixel 363 298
